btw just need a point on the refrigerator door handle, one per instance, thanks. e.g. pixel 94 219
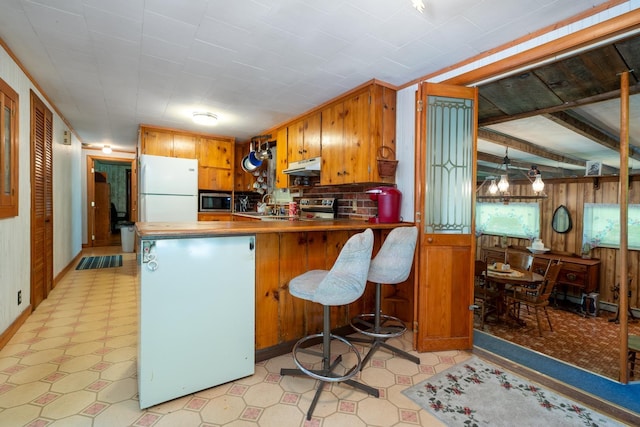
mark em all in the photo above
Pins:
pixel 252 243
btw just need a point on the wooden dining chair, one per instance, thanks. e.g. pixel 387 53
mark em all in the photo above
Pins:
pixel 535 298
pixel 519 260
pixel 484 296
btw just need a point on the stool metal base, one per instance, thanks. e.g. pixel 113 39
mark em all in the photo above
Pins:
pixel 327 374
pixel 380 327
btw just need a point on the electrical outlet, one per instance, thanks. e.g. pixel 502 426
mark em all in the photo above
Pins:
pixel 19 297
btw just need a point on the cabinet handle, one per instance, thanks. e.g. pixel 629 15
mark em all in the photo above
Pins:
pixel 571 276
pixel 345 172
pixel 339 173
pixel 430 240
pixel 299 151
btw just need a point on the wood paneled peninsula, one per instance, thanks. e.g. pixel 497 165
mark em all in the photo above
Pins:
pixel 285 249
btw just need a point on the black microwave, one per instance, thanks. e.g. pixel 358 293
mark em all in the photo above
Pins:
pixel 215 202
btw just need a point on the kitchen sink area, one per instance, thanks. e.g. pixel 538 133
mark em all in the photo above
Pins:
pixel 310 209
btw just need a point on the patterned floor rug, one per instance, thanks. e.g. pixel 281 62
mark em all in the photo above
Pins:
pixel 91 262
pixel 476 393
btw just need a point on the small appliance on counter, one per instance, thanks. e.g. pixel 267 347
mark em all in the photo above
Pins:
pixel 388 199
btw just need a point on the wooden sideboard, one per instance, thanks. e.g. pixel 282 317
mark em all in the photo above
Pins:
pixel 577 273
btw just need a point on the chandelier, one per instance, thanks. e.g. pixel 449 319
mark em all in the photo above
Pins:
pixel 500 189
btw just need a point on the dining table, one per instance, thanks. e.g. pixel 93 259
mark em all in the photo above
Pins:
pixel 508 279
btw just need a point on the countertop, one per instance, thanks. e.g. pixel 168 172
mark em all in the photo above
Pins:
pixel 172 230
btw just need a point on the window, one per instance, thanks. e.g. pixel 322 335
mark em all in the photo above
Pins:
pixel 602 225
pixel 520 220
pixel 8 151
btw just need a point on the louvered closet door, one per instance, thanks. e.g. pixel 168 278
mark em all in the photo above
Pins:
pixel 41 201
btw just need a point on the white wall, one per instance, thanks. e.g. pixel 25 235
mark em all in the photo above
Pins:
pixel 15 240
pixel 405 145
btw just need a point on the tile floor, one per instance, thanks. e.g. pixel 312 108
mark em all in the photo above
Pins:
pixel 73 363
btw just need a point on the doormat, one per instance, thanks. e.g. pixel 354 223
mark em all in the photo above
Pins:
pixel 475 393
pixel 91 262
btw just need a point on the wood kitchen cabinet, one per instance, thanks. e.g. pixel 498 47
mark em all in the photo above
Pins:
pixel 282 179
pixel 215 154
pixel 214 216
pixel 243 180
pixel 159 142
pixel 353 131
pixel 215 163
pixel 304 138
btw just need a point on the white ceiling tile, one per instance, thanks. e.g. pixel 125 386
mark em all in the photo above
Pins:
pixel 169 30
pixel 108 23
pixel 190 12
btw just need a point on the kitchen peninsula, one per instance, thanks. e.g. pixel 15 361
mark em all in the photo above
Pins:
pixel 285 249
pixel 213 285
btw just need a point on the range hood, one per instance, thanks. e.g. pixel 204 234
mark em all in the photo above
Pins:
pixel 307 167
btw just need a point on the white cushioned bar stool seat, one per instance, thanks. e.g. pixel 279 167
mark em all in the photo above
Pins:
pixel 341 285
pixel 391 265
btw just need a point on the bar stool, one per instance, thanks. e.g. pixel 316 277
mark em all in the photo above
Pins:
pixel 391 265
pixel 341 285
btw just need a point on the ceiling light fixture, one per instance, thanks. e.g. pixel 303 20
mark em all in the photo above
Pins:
pixel 418 4
pixel 106 149
pixel 500 190
pixel 205 119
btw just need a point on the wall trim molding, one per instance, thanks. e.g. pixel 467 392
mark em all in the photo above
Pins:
pixel 13 328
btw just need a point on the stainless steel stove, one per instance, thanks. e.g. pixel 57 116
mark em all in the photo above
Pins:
pixel 318 209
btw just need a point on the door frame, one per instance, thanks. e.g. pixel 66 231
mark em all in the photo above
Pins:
pixel 91 191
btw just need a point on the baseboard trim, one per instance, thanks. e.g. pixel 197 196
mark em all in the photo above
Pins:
pixel 65 270
pixel 13 328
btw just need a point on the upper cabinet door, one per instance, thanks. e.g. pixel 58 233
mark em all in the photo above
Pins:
pixel 215 153
pixel 157 143
pixel 445 171
pixel 184 146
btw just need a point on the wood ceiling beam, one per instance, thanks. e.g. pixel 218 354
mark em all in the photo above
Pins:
pixel 614 94
pixel 515 164
pixel 527 147
pixel 579 125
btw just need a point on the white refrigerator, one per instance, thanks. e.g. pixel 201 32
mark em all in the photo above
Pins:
pixel 168 189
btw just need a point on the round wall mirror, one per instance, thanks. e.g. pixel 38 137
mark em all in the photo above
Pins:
pixel 561 222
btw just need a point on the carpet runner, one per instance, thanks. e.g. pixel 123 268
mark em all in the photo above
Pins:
pixel 91 262
pixel 476 392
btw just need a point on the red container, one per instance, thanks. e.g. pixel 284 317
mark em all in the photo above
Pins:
pixel 388 199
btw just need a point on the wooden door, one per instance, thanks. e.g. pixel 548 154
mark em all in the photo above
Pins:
pixel 41 136
pixel 445 171
pixel 102 210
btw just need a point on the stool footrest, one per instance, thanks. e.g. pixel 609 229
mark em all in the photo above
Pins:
pixel 389 327
pixel 326 374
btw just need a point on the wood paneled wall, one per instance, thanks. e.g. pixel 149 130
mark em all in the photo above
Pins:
pixel 574 193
